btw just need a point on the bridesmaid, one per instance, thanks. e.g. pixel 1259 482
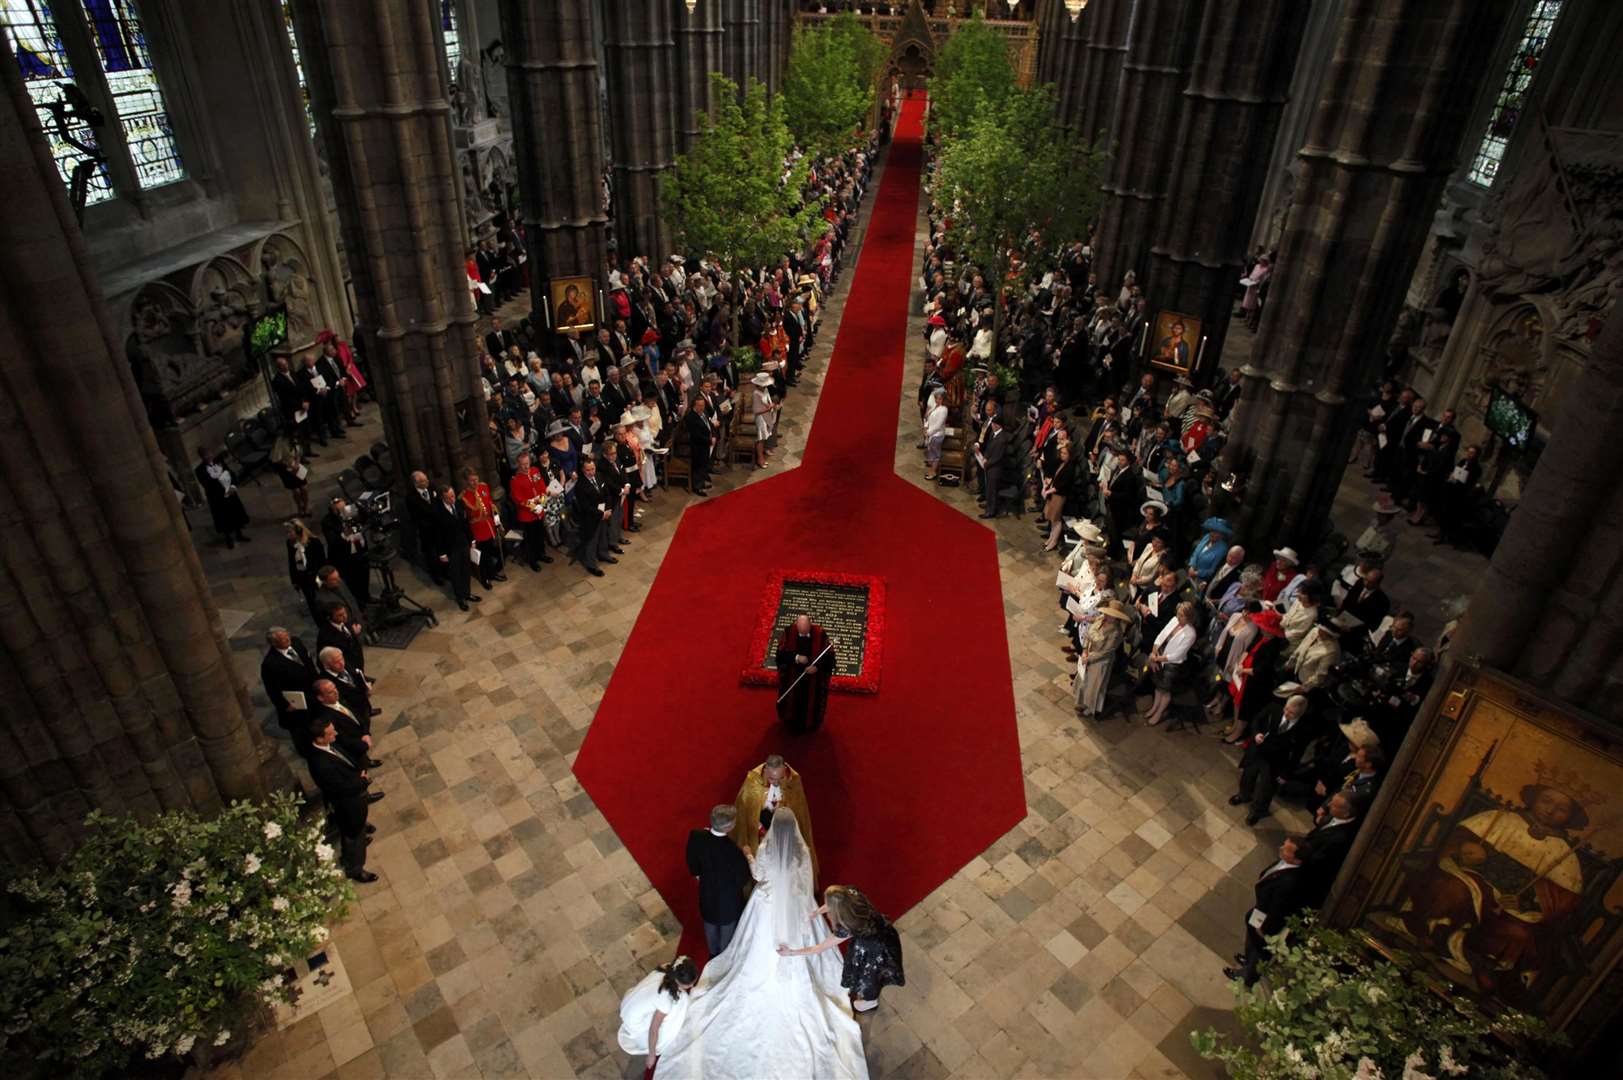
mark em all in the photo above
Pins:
pixel 874 960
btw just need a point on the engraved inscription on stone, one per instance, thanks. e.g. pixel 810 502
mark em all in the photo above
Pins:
pixel 842 610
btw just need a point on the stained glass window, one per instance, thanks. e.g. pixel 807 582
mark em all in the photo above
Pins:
pixel 122 48
pixel 298 66
pixel 32 36
pixel 1507 109
pixel 453 40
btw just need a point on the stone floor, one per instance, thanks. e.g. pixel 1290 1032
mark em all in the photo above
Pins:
pixel 1087 942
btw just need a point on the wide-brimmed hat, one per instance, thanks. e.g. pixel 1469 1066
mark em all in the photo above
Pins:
pixel 1184 380
pixel 557 428
pixel 615 281
pixel 1217 525
pixel 1287 555
pixel 1086 529
pixel 761 378
pixel 1360 733
pixel 1160 507
pixel 1115 609
pixel 626 420
pixel 1384 506
pixel 649 337
pixel 1267 620
pixel 1287 690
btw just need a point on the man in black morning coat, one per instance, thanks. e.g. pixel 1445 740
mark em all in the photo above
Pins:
pixel 724 875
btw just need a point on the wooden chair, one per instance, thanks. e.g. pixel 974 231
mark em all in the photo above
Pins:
pixel 741 448
pixel 677 466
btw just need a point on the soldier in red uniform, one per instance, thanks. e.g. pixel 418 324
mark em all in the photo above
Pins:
pixel 486 525
pixel 528 489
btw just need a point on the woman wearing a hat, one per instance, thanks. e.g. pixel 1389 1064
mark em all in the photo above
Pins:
pixel 1280 573
pixel 1252 687
pixel 766 415
pixel 1209 553
pixel 1098 656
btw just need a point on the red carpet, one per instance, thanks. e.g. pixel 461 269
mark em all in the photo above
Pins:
pixel 906 785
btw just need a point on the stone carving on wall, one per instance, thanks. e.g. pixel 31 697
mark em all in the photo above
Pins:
pixel 493 65
pixel 1557 231
pixel 184 336
pixel 474 206
pixel 285 276
pixel 468 102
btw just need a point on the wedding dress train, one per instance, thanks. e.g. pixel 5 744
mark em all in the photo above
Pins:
pixel 755 1015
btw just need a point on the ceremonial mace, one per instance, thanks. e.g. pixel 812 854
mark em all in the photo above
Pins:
pixel 802 675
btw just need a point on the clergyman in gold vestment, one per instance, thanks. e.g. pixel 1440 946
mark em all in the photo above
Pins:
pixel 766 787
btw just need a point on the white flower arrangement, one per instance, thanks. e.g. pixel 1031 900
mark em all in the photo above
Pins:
pixel 157 938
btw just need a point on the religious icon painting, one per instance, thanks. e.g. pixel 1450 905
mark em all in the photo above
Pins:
pixel 1498 866
pixel 1174 342
pixel 572 303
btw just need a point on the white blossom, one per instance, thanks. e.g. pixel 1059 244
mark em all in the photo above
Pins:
pixel 322 933
pixel 1412 1067
pixel 1446 1062
pixel 1367 1070
pixel 184 1046
pixel 324 852
pixel 251 864
pixel 279 904
pixel 1373 994
pixel 182 892
pixel 223 1037
pixel 272 830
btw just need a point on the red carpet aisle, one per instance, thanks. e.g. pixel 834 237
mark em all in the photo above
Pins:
pixel 905 785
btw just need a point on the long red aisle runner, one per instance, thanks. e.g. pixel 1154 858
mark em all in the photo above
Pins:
pixel 906 785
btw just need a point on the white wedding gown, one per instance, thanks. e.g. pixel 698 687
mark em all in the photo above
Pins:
pixel 755 1015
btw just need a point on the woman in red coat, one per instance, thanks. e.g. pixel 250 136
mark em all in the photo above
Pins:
pixel 528 489
pixel 486 525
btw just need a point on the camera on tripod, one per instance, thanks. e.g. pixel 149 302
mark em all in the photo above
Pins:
pixel 374 512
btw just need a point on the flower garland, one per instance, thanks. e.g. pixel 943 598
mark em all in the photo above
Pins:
pixel 764 639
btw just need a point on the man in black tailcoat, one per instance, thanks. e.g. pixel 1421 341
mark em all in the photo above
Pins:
pixel 724 877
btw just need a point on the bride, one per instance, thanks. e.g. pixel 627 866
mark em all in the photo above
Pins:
pixel 756 1015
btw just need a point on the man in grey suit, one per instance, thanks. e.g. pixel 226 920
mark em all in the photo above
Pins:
pixel 994 455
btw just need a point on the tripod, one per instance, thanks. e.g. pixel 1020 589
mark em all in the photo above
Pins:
pixel 396 606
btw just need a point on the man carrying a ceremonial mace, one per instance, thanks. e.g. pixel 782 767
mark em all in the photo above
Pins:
pixel 805 666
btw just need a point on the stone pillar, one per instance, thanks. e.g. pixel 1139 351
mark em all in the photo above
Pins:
pixel 1382 144
pixel 1159 52
pixel 1313 62
pixel 641 56
pixel 118 683
pixel 1237 86
pixel 1070 61
pixel 377 84
pixel 557 137
pixel 1106 26
pixel 698 53
pixel 1550 610
pixel 741 45
pixel 774 35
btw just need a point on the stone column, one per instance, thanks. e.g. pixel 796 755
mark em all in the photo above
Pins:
pixel 741 46
pixel 377 84
pixel 1105 28
pixel 1383 142
pixel 1550 610
pixel 641 56
pixel 1159 52
pixel 698 53
pixel 118 684
pixel 774 35
pixel 1070 60
pixel 1313 62
pixel 1237 86
pixel 557 137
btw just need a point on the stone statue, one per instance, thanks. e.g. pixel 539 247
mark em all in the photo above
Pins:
pixel 287 284
pixel 221 323
pixel 468 97
pixel 493 78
